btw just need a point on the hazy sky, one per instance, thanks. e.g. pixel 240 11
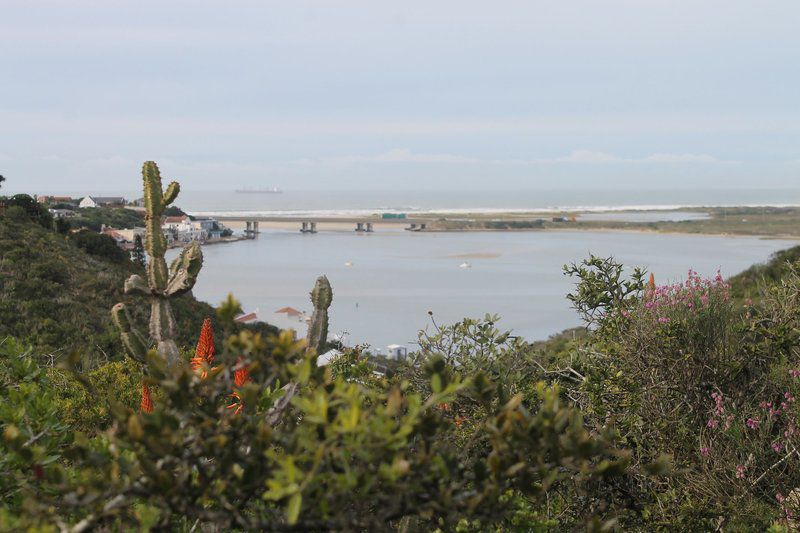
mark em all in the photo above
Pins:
pixel 413 94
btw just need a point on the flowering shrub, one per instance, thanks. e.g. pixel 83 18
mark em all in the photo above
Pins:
pixel 690 371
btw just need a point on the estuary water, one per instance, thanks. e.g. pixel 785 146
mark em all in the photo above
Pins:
pixel 385 283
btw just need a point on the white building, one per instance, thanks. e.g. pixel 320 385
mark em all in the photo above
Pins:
pixel 396 352
pixel 102 201
pixel 327 357
pixel 181 229
pixel 130 234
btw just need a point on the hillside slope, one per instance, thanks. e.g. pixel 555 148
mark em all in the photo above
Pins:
pixel 58 298
pixel 748 283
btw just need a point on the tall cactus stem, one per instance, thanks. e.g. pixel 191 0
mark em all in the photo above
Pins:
pixel 321 298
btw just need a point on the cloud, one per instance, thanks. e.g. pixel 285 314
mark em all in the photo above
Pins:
pixel 577 157
pixel 585 157
pixel 401 155
pixel 599 158
pixel 683 158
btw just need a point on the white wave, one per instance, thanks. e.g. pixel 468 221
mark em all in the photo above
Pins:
pixel 343 213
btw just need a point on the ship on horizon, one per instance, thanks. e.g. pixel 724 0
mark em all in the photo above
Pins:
pixel 268 190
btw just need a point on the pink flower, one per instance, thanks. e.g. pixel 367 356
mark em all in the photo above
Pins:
pixel 739 471
pixel 794 373
pixel 752 423
pixel 712 423
pixel 777 447
pixel 780 497
pixel 663 320
pixel 705 451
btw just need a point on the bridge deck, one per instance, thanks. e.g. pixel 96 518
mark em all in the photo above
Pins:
pixel 322 220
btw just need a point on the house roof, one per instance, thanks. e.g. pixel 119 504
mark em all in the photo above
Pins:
pixel 249 317
pixel 108 199
pixel 175 220
pixel 114 234
pixel 291 311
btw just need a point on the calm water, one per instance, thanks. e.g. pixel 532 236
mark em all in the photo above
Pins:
pixel 396 277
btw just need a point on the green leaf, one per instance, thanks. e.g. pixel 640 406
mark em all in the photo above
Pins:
pixel 293 508
pixel 436 383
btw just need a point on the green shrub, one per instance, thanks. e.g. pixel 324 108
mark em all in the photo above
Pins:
pixel 99 245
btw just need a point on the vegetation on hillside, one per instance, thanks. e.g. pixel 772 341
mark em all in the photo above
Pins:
pixel 93 218
pixel 56 297
pixel 675 409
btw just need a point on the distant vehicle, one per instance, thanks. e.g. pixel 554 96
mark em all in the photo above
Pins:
pixel 269 190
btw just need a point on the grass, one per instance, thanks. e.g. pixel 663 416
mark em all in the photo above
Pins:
pixel 752 221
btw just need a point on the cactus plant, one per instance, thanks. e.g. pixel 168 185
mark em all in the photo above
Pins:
pixel 161 283
pixel 134 342
pixel 321 298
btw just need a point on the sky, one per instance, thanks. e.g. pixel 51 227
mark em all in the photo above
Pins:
pixel 378 95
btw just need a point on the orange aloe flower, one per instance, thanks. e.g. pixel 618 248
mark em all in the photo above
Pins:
pixel 240 376
pixel 204 353
pixel 146 405
pixel 651 284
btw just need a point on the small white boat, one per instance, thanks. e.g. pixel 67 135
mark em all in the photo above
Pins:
pixel 348 264
pixel 465 265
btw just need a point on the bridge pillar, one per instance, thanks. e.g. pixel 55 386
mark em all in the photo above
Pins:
pixel 304 227
pixel 313 227
pixel 369 227
pixel 359 227
pixel 255 227
pixel 423 226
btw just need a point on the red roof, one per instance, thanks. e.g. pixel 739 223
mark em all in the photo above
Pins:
pixel 249 317
pixel 174 220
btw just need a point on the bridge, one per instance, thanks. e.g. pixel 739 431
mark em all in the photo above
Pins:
pixel 309 224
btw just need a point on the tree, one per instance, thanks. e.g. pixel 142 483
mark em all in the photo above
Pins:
pixel 137 255
pixel 2 179
pixel 174 211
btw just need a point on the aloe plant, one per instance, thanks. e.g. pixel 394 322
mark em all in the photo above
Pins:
pixel 162 284
pixel 321 298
